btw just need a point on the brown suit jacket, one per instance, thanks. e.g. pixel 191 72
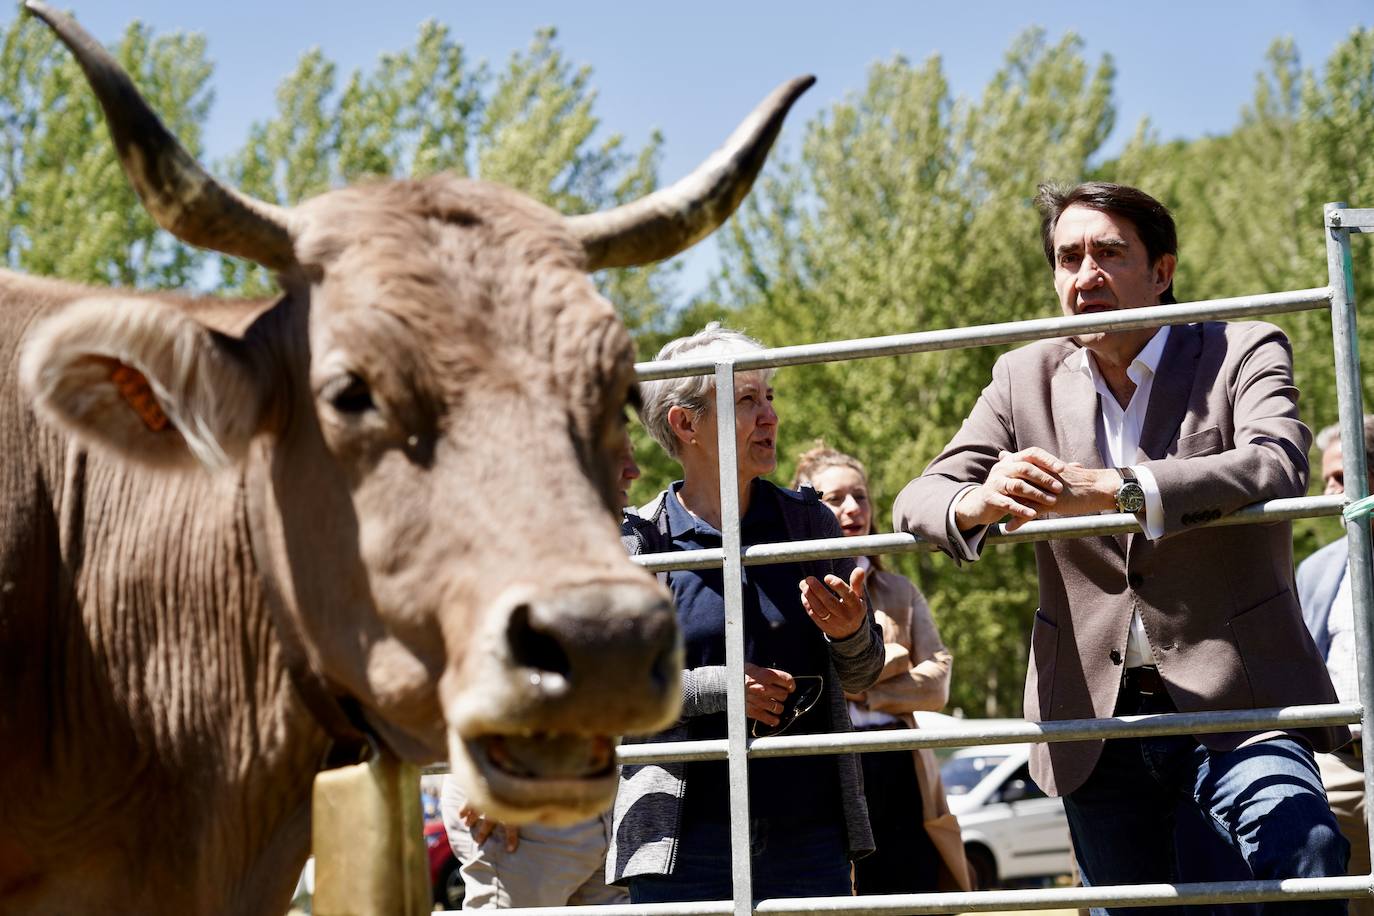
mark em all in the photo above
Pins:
pixel 1218 605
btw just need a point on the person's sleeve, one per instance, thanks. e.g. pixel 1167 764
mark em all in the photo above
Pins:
pixel 967 545
pixel 1268 457
pixel 915 679
pixel 925 505
pixel 703 690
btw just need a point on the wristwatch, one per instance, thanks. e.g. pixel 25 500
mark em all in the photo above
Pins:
pixel 1131 496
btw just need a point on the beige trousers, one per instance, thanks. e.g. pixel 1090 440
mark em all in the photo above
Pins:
pixel 1344 780
pixel 553 866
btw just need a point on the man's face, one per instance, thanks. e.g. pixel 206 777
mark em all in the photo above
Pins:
pixel 1333 473
pixel 1101 265
pixel 1333 470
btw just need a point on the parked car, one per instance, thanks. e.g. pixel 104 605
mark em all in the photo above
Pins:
pixel 1013 832
pixel 445 881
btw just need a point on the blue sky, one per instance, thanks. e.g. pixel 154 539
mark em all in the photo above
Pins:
pixel 694 69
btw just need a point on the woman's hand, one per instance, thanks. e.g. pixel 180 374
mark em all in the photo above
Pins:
pixel 765 689
pixel 482 827
pixel 840 616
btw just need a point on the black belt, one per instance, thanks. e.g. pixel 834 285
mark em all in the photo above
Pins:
pixel 1144 680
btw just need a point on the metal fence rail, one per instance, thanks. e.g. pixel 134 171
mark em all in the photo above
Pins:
pixel 1338 296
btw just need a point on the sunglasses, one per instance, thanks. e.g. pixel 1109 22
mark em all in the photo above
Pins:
pixel 798 703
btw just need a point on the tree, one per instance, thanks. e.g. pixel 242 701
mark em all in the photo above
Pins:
pixel 65 208
pixel 1249 206
pixel 908 211
pixel 426 109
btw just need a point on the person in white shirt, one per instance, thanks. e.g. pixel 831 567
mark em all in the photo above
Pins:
pixel 1324 591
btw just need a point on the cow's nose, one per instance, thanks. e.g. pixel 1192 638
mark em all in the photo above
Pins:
pixel 608 650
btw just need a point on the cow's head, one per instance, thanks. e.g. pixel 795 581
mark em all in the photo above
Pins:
pixel 428 421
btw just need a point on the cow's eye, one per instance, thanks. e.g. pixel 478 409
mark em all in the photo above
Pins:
pixel 348 394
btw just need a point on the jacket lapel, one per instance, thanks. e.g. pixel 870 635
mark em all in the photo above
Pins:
pixel 1074 402
pixel 1173 385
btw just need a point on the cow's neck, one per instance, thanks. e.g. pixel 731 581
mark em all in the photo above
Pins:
pixel 190 688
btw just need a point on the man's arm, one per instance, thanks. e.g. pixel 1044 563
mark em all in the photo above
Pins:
pixel 1269 457
pixel 978 479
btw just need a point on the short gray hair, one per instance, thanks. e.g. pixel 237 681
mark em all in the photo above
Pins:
pixel 1332 434
pixel 693 392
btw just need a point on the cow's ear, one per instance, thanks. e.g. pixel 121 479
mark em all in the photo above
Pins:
pixel 144 379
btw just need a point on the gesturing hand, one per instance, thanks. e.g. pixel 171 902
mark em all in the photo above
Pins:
pixel 1021 484
pixel 839 614
pixel 482 827
pixel 765 689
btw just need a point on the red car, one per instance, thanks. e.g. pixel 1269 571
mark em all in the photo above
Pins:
pixel 445 882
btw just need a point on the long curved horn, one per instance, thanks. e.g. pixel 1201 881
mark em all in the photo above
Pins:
pixel 672 219
pixel 178 193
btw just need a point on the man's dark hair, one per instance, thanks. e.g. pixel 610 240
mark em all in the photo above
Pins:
pixel 1151 219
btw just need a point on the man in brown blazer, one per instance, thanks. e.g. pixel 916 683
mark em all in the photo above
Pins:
pixel 1180 426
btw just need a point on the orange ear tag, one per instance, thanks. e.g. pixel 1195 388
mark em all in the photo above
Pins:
pixel 133 385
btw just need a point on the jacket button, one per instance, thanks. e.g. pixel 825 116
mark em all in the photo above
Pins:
pixel 1135 580
pixel 1115 656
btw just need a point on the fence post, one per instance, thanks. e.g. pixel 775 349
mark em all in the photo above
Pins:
pixel 737 763
pixel 1350 399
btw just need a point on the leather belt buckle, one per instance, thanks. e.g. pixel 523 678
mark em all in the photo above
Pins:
pixel 1144 680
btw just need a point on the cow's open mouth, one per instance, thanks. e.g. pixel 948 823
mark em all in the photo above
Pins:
pixel 548 777
pixel 546 755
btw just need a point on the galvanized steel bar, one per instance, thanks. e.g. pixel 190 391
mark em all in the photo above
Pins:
pixel 1054 898
pixel 1339 216
pixel 990 901
pixel 737 734
pixel 1350 400
pixel 1272 510
pixel 1001 333
pixel 976 734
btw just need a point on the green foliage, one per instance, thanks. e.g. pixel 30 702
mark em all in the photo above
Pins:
pixel 1249 207
pixel 65 208
pixel 907 210
pixel 902 209
pixel 426 109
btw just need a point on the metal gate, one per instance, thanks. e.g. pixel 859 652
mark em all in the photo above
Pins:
pixel 737 748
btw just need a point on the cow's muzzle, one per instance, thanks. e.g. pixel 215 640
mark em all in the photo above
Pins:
pixel 534 721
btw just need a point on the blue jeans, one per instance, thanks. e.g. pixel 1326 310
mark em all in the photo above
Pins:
pixel 788 861
pixel 1262 807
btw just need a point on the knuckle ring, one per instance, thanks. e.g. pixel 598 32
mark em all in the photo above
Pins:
pixel 824 616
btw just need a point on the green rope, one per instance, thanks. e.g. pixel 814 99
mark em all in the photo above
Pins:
pixel 1358 508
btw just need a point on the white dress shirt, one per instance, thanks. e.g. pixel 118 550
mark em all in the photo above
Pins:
pixel 1119 447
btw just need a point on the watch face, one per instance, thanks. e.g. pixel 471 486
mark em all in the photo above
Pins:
pixel 1130 498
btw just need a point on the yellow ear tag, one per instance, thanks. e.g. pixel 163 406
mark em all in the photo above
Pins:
pixel 133 385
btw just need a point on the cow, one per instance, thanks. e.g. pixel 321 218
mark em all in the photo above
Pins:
pixel 242 540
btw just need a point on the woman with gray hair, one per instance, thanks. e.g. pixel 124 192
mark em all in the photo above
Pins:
pixel 809 638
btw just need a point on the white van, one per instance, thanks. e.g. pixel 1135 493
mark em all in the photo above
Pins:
pixel 1013 832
